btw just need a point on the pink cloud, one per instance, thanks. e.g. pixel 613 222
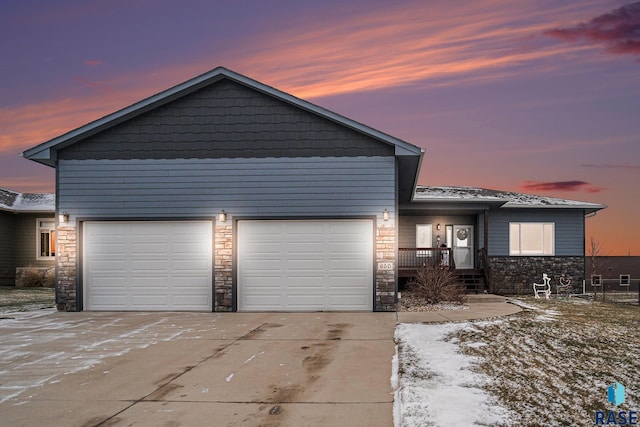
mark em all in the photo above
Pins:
pixel 40 180
pixel 27 125
pixel 389 47
pixel 607 166
pixel 94 85
pixel 618 30
pixel 427 44
pixel 560 186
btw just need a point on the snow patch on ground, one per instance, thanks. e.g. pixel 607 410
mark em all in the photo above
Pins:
pixel 436 386
pixel 25 333
pixel 546 366
pixel 522 304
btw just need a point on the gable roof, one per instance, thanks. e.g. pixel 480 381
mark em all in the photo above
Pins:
pixel 409 157
pixel 45 153
pixel 12 201
pixel 498 198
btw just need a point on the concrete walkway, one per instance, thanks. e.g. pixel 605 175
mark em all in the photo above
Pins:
pixel 480 307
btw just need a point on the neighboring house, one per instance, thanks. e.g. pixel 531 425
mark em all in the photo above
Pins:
pixel 27 234
pixel 618 273
pixel 225 194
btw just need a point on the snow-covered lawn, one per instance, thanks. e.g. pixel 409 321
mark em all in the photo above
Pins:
pixel 549 365
pixel 15 299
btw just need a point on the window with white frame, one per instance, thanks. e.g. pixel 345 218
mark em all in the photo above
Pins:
pixel 531 238
pixel 596 280
pixel 625 279
pixel 423 239
pixel 46 235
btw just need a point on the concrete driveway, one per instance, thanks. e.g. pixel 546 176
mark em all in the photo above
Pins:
pixel 279 369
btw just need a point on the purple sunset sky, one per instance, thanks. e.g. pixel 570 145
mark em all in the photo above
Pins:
pixel 533 96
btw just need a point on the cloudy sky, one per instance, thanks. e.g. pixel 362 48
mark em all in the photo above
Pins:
pixel 533 96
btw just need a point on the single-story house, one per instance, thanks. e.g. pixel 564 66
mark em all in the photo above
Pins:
pixel 225 194
pixel 615 273
pixel 27 234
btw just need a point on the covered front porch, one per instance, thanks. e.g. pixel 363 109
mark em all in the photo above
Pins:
pixel 412 259
pixel 449 235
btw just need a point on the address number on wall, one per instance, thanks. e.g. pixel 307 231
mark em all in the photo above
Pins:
pixel 385 266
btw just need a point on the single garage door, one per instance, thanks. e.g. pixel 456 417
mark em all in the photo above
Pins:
pixel 147 265
pixel 305 265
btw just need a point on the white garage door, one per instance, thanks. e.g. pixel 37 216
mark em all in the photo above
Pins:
pixel 150 265
pixel 305 265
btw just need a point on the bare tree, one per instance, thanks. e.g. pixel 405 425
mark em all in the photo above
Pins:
pixel 595 259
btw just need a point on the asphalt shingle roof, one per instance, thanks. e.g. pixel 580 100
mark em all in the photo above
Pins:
pixel 27 202
pixel 510 199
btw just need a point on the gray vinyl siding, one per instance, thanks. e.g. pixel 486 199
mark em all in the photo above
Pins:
pixel 26 241
pixel 569 229
pixel 308 186
pixel 226 120
pixel 407 227
pixel 7 250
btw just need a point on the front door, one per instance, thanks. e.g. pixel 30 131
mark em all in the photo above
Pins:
pixel 463 246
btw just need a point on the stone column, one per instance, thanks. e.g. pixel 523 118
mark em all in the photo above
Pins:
pixel 223 266
pixel 66 268
pixel 385 253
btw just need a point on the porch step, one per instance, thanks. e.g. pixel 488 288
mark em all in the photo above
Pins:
pixel 472 279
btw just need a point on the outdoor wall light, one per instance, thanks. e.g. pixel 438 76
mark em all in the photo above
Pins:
pixel 438 227
pixel 63 217
pixel 385 215
pixel 222 216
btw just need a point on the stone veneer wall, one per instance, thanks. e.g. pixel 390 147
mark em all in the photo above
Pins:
pixel 66 268
pixel 385 280
pixel 223 267
pixel 516 275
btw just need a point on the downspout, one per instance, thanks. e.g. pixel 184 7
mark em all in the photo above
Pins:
pixel 487 267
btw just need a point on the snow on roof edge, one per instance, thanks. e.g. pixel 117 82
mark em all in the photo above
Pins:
pixel 509 198
pixel 13 201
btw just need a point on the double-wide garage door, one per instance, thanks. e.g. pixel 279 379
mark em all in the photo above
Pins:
pixel 147 265
pixel 305 265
